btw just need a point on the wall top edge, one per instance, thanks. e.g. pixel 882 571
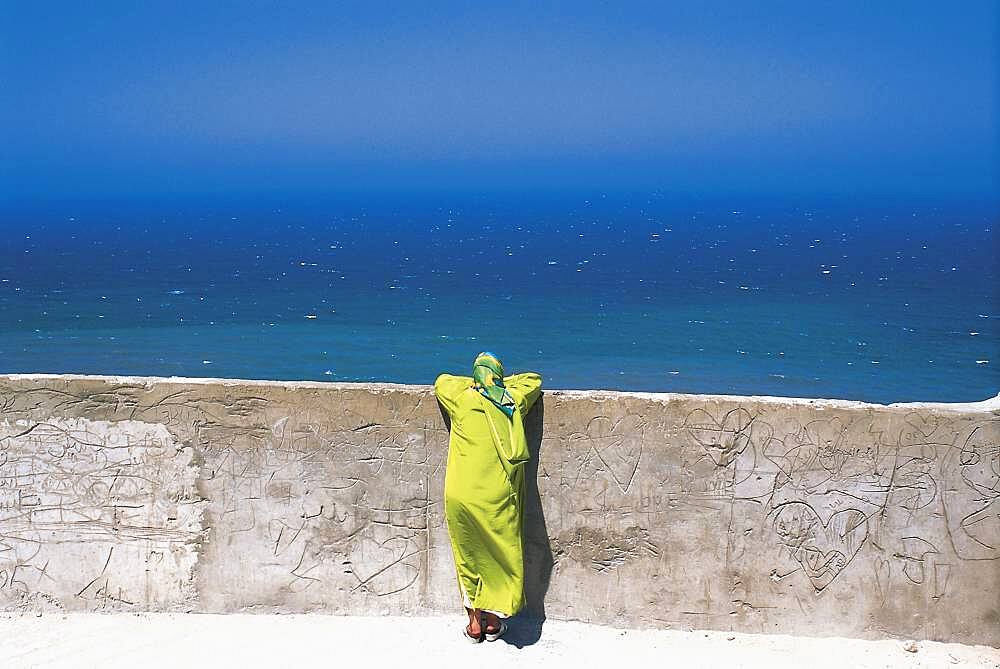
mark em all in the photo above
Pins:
pixel 988 405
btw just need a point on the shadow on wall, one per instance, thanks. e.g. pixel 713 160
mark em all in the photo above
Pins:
pixel 526 628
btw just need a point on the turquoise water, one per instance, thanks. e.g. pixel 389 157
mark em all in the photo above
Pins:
pixel 881 304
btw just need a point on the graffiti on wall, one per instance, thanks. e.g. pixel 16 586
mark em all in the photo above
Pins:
pixel 231 497
pixel 919 490
pixel 86 507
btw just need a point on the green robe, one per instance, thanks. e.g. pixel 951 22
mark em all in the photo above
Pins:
pixel 484 489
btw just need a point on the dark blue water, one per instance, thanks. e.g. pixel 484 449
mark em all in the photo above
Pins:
pixel 880 303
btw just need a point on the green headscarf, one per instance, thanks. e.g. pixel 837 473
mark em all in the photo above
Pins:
pixel 487 372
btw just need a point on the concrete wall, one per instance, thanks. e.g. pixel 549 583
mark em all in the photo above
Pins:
pixel 750 514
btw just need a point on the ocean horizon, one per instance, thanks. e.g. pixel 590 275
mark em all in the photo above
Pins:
pixel 881 303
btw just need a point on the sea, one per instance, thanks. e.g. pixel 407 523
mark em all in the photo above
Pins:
pixel 836 299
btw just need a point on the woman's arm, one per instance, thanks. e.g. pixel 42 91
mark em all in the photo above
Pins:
pixel 525 389
pixel 447 388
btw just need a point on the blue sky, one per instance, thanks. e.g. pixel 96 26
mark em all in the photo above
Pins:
pixel 766 99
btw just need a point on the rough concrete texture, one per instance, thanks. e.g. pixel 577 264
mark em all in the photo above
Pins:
pixel 821 518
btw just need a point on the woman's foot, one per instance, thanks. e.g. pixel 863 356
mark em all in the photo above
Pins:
pixel 493 626
pixel 491 621
pixel 474 630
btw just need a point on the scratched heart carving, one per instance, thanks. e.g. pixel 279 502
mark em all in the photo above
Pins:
pixel 922 425
pixel 381 568
pixel 618 446
pixel 823 550
pixel 723 440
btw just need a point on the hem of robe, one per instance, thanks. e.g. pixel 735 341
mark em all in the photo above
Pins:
pixel 468 604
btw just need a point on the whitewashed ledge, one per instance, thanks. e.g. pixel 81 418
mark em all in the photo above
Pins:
pixel 989 404
pixel 645 510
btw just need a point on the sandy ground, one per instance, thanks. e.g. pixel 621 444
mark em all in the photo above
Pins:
pixel 180 641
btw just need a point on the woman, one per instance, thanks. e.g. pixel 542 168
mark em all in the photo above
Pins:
pixel 484 489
